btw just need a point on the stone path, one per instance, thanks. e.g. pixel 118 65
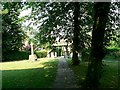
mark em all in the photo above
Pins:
pixel 65 77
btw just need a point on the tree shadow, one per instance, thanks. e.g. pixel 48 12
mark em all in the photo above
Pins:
pixel 30 78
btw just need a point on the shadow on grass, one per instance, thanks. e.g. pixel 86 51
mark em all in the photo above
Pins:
pixel 110 76
pixel 30 78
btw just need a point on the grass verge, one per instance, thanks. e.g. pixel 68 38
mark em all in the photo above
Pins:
pixel 109 78
pixel 28 74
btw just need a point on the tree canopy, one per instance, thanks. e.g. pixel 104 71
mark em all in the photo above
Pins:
pixel 54 21
pixel 12 35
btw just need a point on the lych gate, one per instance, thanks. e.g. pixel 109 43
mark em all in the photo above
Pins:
pixel 61 48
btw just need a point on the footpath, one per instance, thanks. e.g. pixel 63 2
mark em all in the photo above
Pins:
pixel 65 77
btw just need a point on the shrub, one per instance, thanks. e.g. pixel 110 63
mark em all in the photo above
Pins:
pixel 114 49
pixel 15 55
pixel 41 53
pixel 113 52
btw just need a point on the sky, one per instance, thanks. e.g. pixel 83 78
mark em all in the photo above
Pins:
pixel 25 12
pixel 27 22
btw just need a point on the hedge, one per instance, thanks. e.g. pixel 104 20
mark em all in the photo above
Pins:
pixel 21 55
pixel 41 53
pixel 15 55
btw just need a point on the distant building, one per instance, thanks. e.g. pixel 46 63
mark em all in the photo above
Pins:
pixel 65 47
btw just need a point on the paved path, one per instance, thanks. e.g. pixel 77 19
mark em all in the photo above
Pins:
pixel 65 77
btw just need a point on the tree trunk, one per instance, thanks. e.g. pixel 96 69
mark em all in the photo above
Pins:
pixel 76 13
pixel 97 53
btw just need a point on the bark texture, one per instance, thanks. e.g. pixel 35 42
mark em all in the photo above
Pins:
pixel 76 13
pixel 97 53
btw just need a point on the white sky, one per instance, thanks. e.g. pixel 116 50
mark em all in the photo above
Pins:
pixel 25 12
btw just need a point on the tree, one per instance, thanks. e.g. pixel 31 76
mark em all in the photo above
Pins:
pixel 93 76
pixel 76 31
pixel 56 22
pixel 112 25
pixel 12 34
pixel 59 24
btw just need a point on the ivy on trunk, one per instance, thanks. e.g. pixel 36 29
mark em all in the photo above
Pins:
pixel 97 53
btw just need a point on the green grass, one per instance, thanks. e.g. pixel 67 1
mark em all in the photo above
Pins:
pixel 28 74
pixel 111 58
pixel 79 70
pixel 109 77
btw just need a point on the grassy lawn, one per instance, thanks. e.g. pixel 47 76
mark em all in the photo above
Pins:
pixel 28 74
pixel 109 78
pixel 111 58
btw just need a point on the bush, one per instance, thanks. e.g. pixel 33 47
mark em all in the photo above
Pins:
pixel 113 53
pixel 41 54
pixel 114 49
pixel 15 55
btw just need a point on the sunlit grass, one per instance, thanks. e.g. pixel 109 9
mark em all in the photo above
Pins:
pixel 25 64
pixel 29 74
pixel 109 78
